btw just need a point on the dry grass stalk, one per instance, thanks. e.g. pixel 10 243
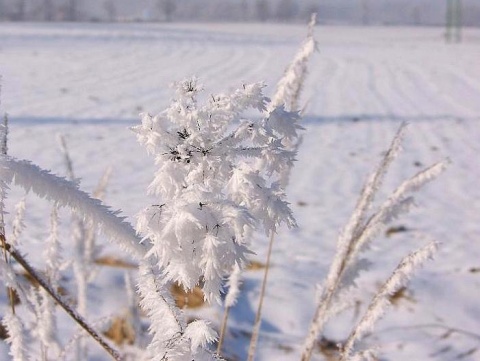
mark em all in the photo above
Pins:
pixel 4 151
pixel 255 266
pixel 121 331
pixel 110 261
pixel 258 316
pixel 223 330
pixel 190 299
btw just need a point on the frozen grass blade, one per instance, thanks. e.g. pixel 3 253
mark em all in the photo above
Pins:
pixel 381 300
pixel 290 85
pixel 346 244
pixel 65 193
pixel 47 331
pixel 66 157
pixel 373 184
pixel 18 226
pixel 3 197
pixel 16 337
pixel 4 135
pixel 90 248
pixel 360 230
pixel 395 205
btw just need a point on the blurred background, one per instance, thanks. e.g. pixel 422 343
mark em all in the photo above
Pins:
pixel 344 12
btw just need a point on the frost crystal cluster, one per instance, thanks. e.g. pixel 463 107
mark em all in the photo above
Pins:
pixel 217 181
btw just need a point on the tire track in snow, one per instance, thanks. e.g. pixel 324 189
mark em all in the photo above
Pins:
pixel 440 82
pixel 410 106
pixel 432 98
pixel 322 74
pixel 377 87
pixel 333 104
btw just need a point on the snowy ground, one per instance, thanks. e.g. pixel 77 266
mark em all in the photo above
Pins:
pixel 90 81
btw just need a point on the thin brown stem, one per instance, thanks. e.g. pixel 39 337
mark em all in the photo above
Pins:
pixel 10 292
pixel 4 151
pixel 72 313
pixel 4 140
pixel 223 330
pixel 258 317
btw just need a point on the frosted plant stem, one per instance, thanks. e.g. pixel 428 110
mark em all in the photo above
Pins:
pixel 17 337
pixel 348 243
pixel 10 291
pixel 380 301
pixel 318 322
pixel 4 151
pixel 72 313
pixel 258 317
pixel 290 85
pixel 67 158
pixel 4 140
pixel 80 262
pixel 233 283
pixel 64 193
pixel 223 330
pixel 374 182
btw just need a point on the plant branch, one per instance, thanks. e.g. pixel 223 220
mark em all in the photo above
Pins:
pixel 4 151
pixel 223 330
pixel 72 313
pixel 258 317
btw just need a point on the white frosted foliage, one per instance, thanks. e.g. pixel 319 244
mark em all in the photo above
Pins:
pixel 290 85
pixel 361 228
pixel 172 338
pixel 65 193
pixel 211 191
pixel 16 337
pixel 233 284
pixel 18 225
pixel 381 300
pixel 200 334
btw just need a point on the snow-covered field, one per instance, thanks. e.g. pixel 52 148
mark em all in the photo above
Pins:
pixel 90 81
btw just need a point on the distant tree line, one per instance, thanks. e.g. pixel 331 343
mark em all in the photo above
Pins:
pixel 367 12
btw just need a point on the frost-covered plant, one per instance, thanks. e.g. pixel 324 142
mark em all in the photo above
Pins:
pixel 290 85
pixel 16 336
pixel 67 194
pixel 362 227
pixel 211 191
pixel 233 283
pixel 45 329
pixel 287 95
pixel 216 182
pixel 380 301
pixel 83 238
pixel 172 338
pixel 81 263
pixel 36 302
